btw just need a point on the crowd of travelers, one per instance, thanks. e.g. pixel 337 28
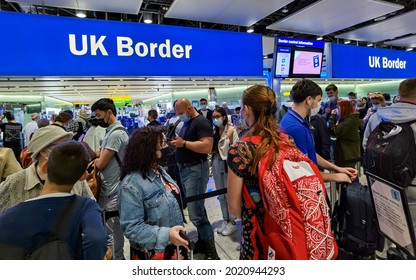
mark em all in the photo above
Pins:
pixel 142 194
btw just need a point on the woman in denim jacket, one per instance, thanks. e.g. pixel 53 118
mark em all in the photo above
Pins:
pixel 149 200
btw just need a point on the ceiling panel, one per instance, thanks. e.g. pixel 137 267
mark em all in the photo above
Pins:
pixel 385 30
pixel 119 6
pixel 327 16
pixel 235 12
pixel 404 42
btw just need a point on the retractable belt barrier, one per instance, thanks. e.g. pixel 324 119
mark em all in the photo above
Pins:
pixel 205 195
pixel 111 214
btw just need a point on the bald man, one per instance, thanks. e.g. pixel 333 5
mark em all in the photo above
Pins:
pixel 193 145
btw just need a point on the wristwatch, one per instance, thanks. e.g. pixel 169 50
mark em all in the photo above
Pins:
pixel 184 144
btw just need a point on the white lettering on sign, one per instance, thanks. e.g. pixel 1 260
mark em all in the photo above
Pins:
pixel 94 45
pixel 126 47
pixel 384 62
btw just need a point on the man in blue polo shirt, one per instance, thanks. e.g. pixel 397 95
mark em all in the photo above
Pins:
pixel 306 96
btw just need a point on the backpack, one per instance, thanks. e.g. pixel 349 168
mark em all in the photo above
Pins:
pixel 47 245
pixel 355 221
pixel 391 153
pixel 296 220
pixel 26 158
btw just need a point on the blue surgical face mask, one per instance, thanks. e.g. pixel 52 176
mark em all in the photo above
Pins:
pixel 243 122
pixel 184 117
pixel 218 122
pixel 332 98
pixel 203 107
pixel 375 107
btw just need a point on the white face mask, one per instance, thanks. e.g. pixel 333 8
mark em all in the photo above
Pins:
pixel 315 111
pixel 332 98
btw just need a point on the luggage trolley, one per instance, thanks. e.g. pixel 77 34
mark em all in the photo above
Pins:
pixel 396 214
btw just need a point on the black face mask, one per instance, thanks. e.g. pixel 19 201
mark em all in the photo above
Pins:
pixel 102 123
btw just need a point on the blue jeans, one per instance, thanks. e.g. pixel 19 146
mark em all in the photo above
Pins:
pixel 194 180
pixel 221 182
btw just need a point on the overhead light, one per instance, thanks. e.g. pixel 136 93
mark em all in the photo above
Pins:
pixel 347 42
pixel 285 10
pixel 81 13
pixel 409 49
pixel 147 18
pixel 250 29
pixel 370 44
pixel 320 38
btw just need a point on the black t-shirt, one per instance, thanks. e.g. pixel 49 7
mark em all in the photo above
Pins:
pixel 11 131
pixel 194 130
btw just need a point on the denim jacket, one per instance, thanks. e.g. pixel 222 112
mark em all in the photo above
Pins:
pixel 148 210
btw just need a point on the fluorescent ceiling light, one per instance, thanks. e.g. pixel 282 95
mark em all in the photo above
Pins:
pixel 250 29
pixel 370 44
pixel 409 49
pixel 81 14
pixel 320 38
pixel 347 42
pixel 147 18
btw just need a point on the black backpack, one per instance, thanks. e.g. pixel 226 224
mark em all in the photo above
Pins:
pixel 47 245
pixel 391 153
pixel 354 221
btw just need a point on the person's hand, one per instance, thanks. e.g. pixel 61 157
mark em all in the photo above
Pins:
pixel 351 172
pixel 342 178
pixel 334 112
pixel 178 142
pixel 176 239
pixel 164 142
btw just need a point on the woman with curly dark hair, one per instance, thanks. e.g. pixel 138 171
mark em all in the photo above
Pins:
pixel 149 200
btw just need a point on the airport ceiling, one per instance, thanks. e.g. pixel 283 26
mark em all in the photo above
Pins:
pixel 386 24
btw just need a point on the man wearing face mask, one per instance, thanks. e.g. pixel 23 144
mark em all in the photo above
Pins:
pixel 193 144
pixel 204 110
pixel 110 155
pixel 306 96
pixel 332 101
